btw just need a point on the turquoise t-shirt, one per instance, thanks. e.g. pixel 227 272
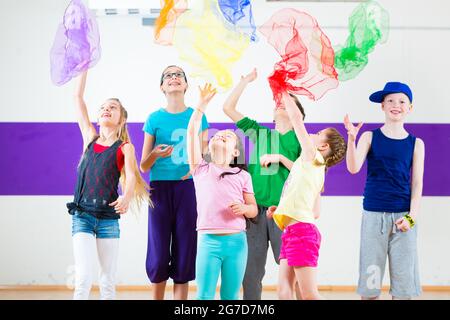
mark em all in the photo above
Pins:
pixel 170 128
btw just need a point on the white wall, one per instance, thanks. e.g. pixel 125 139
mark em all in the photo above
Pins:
pixel 35 241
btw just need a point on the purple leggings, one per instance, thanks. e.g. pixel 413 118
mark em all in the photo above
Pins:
pixel 172 237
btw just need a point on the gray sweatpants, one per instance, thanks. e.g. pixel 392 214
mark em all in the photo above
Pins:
pixel 381 239
pixel 258 237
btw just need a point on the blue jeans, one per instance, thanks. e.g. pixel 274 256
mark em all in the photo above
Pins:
pixel 100 228
pixel 220 254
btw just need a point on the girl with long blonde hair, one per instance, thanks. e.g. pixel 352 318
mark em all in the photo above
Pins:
pixel 108 158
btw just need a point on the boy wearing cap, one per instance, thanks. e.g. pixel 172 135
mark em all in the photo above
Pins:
pixel 392 194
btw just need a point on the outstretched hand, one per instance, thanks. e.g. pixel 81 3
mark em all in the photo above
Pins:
pixel 352 131
pixel 206 94
pixel 162 151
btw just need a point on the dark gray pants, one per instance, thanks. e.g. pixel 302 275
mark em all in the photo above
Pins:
pixel 258 237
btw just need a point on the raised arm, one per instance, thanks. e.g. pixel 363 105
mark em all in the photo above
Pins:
pixel 308 148
pixel 194 140
pixel 88 131
pixel 229 107
pixel 203 136
pixel 356 156
pixel 204 139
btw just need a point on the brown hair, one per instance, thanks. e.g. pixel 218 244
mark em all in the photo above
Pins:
pixel 338 147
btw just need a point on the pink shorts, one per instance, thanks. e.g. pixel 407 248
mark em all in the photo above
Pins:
pixel 300 244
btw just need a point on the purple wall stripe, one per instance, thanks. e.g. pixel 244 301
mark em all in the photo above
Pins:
pixel 41 158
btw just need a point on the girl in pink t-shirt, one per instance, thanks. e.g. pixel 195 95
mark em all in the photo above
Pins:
pixel 225 200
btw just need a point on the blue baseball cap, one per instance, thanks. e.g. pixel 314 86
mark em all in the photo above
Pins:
pixel 391 87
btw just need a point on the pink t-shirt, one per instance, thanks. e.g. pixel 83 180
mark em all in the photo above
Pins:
pixel 214 196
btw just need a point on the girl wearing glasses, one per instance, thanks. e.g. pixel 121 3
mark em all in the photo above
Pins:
pixel 172 237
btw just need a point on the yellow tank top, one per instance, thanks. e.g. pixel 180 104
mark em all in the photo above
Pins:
pixel 303 185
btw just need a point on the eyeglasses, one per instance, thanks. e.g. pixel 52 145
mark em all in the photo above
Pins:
pixel 169 75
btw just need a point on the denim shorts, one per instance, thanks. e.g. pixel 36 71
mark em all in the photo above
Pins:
pixel 100 228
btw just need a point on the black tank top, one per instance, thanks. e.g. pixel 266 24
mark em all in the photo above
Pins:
pixel 97 182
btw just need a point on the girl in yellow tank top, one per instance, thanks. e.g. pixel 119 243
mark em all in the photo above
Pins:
pixel 300 192
pixel 300 202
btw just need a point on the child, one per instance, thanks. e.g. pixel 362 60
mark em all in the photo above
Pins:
pixel 224 200
pixel 270 162
pixel 172 239
pixel 299 205
pixel 108 156
pixel 391 196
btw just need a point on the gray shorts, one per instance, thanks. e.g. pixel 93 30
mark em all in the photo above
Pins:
pixel 380 239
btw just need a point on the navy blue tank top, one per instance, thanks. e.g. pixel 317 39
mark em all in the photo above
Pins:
pixel 389 163
pixel 97 182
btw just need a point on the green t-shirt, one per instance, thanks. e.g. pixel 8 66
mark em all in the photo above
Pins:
pixel 268 182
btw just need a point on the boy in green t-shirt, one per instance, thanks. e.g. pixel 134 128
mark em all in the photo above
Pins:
pixel 274 152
